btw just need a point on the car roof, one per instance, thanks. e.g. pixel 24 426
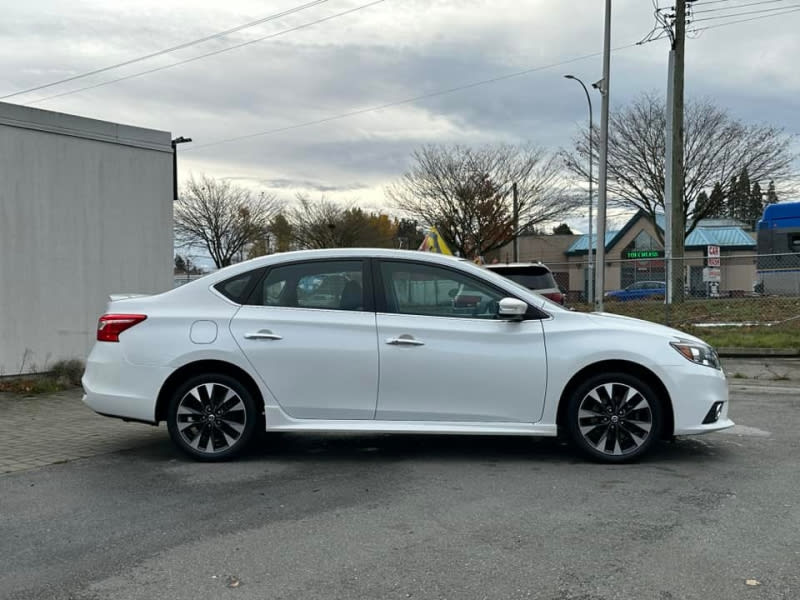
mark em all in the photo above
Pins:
pixel 514 265
pixel 336 253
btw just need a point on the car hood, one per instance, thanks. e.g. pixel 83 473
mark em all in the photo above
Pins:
pixel 613 321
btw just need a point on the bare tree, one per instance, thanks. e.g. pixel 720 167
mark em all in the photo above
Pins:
pixel 466 193
pixel 222 218
pixel 716 149
pixel 325 224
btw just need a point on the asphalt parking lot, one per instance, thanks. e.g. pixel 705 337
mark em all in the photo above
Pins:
pixel 337 516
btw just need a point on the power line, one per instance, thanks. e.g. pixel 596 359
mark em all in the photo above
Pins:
pixel 208 54
pixel 170 49
pixel 443 92
pixel 752 12
pixel 709 2
pixel 783 10
pixel 744 20
pixel 707 27
pixel 734 7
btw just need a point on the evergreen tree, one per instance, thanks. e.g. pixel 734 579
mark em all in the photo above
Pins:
pixel 718 202
pixel 755 206
pixel 743 197
pixel 772 197
pixel 562 229
pixel 733 198
pixel 702 204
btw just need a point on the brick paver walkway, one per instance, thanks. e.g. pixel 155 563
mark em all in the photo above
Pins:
pixel 48 429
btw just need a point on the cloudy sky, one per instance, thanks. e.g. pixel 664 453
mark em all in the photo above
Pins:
pixel 377 54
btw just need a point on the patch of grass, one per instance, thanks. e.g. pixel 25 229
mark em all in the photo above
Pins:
pixel 784 312
pixel 747 337
pixel 63 375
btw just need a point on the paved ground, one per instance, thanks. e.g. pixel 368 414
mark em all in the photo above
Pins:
pixel 48 429
pixel 398 516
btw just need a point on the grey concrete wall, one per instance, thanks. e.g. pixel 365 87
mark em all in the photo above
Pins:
pixel 85 211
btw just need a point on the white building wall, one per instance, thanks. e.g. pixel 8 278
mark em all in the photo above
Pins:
pixel 85 211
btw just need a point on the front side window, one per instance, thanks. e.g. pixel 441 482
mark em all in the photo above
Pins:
pixel 336 285
pixel 417 289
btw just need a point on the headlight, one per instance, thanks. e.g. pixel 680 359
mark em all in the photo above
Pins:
pixel 698 353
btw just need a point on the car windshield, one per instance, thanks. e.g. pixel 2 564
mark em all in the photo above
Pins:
pixel 533 278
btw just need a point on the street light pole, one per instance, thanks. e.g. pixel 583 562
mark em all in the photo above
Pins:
pixel 174 143
pixel 589 260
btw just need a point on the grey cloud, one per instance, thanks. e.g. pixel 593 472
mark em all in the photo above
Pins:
pixel 295 79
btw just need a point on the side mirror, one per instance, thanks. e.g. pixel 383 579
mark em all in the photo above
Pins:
pixel 512 309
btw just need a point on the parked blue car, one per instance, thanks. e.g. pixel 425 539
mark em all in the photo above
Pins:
pixel 641 290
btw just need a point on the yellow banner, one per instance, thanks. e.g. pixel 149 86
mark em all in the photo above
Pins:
pixel 433 242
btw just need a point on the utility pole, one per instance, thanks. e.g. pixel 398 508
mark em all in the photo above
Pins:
pixel 515 198
pixel 668 179
pixel 605 88
pixel 677 231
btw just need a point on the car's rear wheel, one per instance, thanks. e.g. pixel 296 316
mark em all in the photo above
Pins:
pixel 212 417
pixel 614 417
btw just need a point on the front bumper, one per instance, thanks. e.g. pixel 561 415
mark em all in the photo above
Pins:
pixel 694 390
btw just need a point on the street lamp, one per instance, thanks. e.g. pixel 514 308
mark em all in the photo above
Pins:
pixel 174 143
pixel 590 262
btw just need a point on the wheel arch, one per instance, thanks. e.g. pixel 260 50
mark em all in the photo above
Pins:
pixel 201 367
pixel 623 366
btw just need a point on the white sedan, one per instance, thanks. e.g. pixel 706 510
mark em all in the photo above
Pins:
pixel 396 341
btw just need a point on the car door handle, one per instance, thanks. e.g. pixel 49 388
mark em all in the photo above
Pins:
pixel 264 334
pixel 404 340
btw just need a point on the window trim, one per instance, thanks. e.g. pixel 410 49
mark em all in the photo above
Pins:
pixel 382 306
pixel 366 284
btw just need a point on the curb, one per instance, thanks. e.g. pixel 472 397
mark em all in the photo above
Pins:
pixel 764 386
pixel 758 352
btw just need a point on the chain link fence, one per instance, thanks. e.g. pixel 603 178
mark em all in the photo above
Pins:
pixel 743 300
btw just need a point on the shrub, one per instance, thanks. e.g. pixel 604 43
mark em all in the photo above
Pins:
pixel 68 372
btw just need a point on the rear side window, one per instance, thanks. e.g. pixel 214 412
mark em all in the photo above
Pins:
pixel 332 285
pixel 236 289
pixel 533 278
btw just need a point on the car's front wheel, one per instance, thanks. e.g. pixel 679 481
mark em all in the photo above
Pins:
pixel 614 417
pixel 212 417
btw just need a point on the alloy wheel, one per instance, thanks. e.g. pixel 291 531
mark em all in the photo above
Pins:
pixel 615 419
pixel 211 418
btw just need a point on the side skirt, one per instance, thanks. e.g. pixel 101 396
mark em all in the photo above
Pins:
pixel 277 420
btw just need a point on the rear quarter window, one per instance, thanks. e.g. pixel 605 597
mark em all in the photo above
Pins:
pixel 238 288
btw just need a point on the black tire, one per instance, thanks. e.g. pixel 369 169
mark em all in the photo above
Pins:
pixel 614 417
pixel 212 417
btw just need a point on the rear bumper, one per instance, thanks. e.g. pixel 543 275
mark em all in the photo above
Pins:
pixel 114 387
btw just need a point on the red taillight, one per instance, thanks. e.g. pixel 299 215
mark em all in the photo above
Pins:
pixel 110 326
pixel 555 297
